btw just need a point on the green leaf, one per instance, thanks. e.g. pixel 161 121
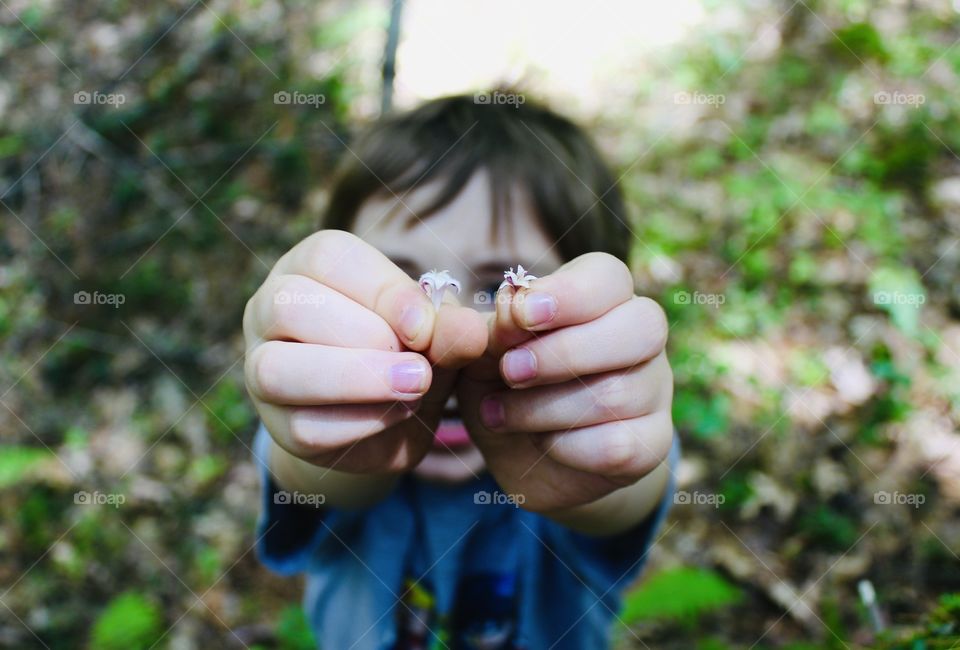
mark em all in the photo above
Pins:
pixel 862 41
pixel 684 592
pixel 207 468
pixel 130 621
pixel 705 417
pixel 293 631
pixel 229 410
pixel 828 528
pixel 10 145
pixel 899 292
pixel 17 462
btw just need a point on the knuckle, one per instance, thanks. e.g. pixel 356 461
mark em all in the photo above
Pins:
pixel 615 395
pixel 326 247
pixel 385 299
pixel 263 372
pixel 616 270
pixel 303 433
pixel 248 314
pixel 328 241
pixel 619 452
pixel 622 271
pixel 286 309
pixel 656 326
pixel 256 314
pixel 557 354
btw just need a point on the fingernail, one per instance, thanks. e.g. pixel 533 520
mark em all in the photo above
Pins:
pixel 408 377
pixel 519 365
pixel 412 318
pixel 539 308
pixel 491 412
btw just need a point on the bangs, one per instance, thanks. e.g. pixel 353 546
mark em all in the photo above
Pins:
pixel 445 142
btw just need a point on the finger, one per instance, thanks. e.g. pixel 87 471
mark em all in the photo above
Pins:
pixel 304 374
pixel 486 369
pixel 578 292
pixel 622 449
pixel 345 263
pixel 434 401
pixel 460 337
pixel 313 430
pixel 617 395
pixel 396 448
pixel 631 333
pixel 504 331
pixel 298 308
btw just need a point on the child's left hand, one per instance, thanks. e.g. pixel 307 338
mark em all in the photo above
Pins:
pixel 572 399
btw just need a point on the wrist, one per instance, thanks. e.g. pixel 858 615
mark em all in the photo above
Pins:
pixel 619 510
pixel 338 489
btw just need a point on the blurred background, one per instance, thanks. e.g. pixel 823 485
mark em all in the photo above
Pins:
pixel 794 182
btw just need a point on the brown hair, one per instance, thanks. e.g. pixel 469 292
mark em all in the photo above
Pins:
pixel 573 192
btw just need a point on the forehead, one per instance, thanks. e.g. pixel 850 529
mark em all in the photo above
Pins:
pixel 461 233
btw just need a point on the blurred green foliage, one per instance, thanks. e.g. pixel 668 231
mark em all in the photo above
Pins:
pixel 681 593
pixel 940 629
pixel 128 622
pixel 814 211
pixel 17 462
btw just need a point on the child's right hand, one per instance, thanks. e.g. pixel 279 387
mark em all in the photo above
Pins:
pixel 340 343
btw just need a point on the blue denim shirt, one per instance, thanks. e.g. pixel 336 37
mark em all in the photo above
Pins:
pixel 450 566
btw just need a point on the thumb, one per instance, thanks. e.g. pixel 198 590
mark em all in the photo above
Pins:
pixel 504 333
pixel 459 336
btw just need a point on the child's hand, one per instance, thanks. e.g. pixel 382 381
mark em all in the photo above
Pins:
pixel 340 343
pixel 579 405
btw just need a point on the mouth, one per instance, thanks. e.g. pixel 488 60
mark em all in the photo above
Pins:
pixel 451 434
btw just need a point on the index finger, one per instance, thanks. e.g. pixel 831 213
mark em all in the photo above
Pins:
pixel 578 292
pixel 504 332
pixel 342 261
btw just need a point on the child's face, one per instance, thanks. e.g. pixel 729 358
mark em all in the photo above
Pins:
pixel 458 238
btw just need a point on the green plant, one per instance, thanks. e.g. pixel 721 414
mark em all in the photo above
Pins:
pixel 293 631
pixel 16 462
pixel 128 622
pixel 681 593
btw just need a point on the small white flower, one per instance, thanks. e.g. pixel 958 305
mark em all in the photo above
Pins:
pixel 435 282
pixel 519 279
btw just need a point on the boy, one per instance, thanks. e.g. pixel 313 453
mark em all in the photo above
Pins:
pixel 489 474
